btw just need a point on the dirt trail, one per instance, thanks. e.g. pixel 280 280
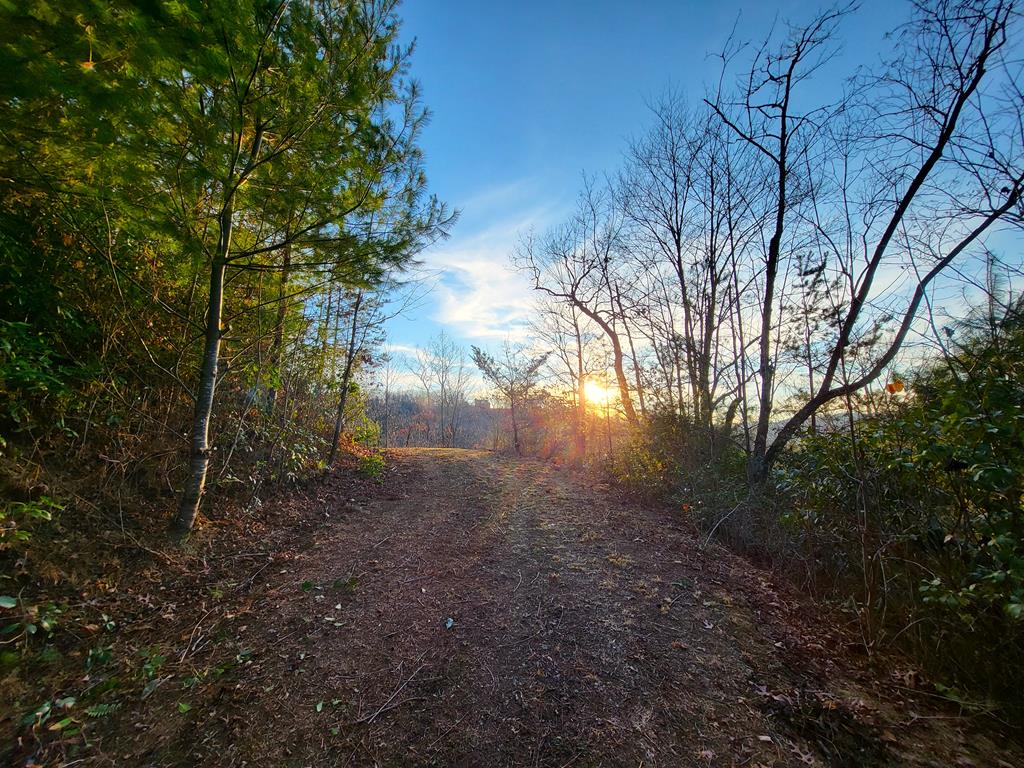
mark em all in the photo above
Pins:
pixel 478 610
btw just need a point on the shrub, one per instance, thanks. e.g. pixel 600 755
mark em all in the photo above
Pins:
pixel 372 465
pixel 915 514
pixel 18 518
pixel 30 373
pixel 674 460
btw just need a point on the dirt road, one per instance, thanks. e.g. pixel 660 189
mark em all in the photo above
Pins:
pixel 479 610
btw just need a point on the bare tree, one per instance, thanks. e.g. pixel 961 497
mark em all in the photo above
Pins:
pixel 447 361
pixel 924 160
pixel 421 367
pixel 514 374
pixel 688 219
pixel 577 264
pixel 572 340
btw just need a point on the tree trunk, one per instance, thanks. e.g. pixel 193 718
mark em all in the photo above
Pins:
pixel 199 454
pixel 620 377
pixel 278 342
pixel 581 408
pixel 757 470
pixel 620 371
pixel 707 344
pixel 632 356
pixel 721 436
pixel 515 428
pixel 346 377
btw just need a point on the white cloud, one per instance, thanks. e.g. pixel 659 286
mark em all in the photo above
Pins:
pixel 399 349
pixel 482 297
pixel 479 294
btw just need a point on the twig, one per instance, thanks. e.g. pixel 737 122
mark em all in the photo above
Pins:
pixel 240 555
pixel 389 707
pixel 166 558
pixel 188 645
pixel 451 728
pixel 721 520
pixel 538 633
pixel 248 582
pixel 387 704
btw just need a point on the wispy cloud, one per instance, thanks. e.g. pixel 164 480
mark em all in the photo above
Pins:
pixel 399 350
pixel 479 294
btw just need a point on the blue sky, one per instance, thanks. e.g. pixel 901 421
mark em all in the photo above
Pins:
pixel 527 96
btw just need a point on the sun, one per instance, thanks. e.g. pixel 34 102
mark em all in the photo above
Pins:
pixel 597 394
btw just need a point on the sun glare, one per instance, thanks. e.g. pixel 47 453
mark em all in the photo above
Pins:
pixel 597 394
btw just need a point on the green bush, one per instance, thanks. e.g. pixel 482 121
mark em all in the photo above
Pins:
pixel 915 514
pixel 18 518
pixel 372 465
pixel 672 459
pixel 29 372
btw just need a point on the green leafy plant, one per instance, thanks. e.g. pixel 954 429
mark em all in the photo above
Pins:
pixel 103 710
pixel 915 515
pixel 30 372
pixel 372 466
pixel 672 459
pixel 99 656
pixel 32 621
pixel 152 661
pixel 348 585
pixel 18 519
pixel 52 709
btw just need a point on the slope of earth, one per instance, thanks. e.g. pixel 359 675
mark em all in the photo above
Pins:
pixel 478 610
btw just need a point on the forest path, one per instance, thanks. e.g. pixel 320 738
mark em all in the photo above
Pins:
pixel 584 630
